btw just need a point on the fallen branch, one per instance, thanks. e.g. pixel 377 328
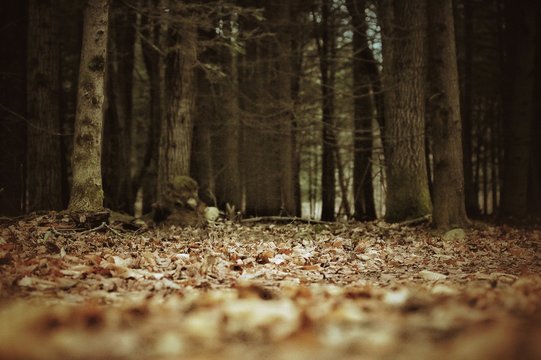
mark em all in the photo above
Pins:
pixel 285 219
pixel 102 226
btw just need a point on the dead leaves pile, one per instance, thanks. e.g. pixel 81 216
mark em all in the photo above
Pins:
pixel 268 291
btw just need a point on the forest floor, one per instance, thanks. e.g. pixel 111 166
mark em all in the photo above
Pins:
pixel 268 291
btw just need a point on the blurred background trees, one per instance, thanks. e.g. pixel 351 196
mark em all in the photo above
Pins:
pixel 321 108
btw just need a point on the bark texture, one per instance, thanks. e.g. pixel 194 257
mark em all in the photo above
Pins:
pixel 117 178
pixel 227 164
pixel 328 165
pixel 281 21
pixel 444 118
pixel 403 27
pixel 365 85
pixel 87 191
pixel 43 155
pixel 261 140
pixel 151 45
pixel 176 129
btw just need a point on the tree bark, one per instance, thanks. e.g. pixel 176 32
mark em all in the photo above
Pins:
pixel 87 191
pixel 519 109
pixel 13 106
pixel 117 179
pixel 43 116
pixel 403 27
pixel 328 166
pixel 472 204
pixel 444 117
pixel 151 46
pixel 261 134
pixel 176 129
pixel 364 71
pixel 281 21
pixel 228 181
pixel 201 167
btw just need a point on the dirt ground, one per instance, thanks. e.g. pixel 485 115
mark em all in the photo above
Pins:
pixel 268 291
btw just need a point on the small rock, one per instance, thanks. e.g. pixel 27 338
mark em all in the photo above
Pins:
pixel 431 275
pixel 455 234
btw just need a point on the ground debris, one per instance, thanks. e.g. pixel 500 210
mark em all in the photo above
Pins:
pixel 295 291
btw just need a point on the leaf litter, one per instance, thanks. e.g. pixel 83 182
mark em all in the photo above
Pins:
pixel 298 291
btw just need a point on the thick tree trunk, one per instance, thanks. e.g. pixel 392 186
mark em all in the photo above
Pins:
pixel 12 106
pixel 364 69
pixel 328 166
pixel 444 117
pixel 201 167
pixel 281 21
pixel 87 191
pixel 151 44
pixel 404 80
pixel 534 186
pixel 519 109
pixel 117 177
pixel 261 135
pixel 176 129
pixel 44 183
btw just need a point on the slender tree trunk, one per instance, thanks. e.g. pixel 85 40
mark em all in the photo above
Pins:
pixel 118 121
pixel 404 79
pixel 521 40
pixel 87 191
pixel 13 15
pixel 282 22
pixel 364 108
pixel 44 161
pixel 444 114
pixel 328 166
pixel 297 60
pixel 472 205
pixel 176 129
pixel 228 181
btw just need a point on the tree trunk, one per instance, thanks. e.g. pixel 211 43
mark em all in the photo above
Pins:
pixel 176 129
pixel 151 45
pixel 364 66
pixel 404 81
pixel 328 166
pixel 201 167
pixel 12 106
pixel 87 191
pixel 281 17
pixel 44 159
pixel 519 109
pixel 534 186
pixel 472 205
pixel 228 182
pixel 261 140
pixel 444 117
pixel 117 179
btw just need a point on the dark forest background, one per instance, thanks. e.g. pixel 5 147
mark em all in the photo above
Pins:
pixel 326 109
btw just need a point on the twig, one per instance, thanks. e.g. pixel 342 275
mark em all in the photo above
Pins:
pixel 415 221
pixel 113 230
pixel 102 226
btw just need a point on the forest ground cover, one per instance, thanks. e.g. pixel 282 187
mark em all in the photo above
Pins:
pixel 268 291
